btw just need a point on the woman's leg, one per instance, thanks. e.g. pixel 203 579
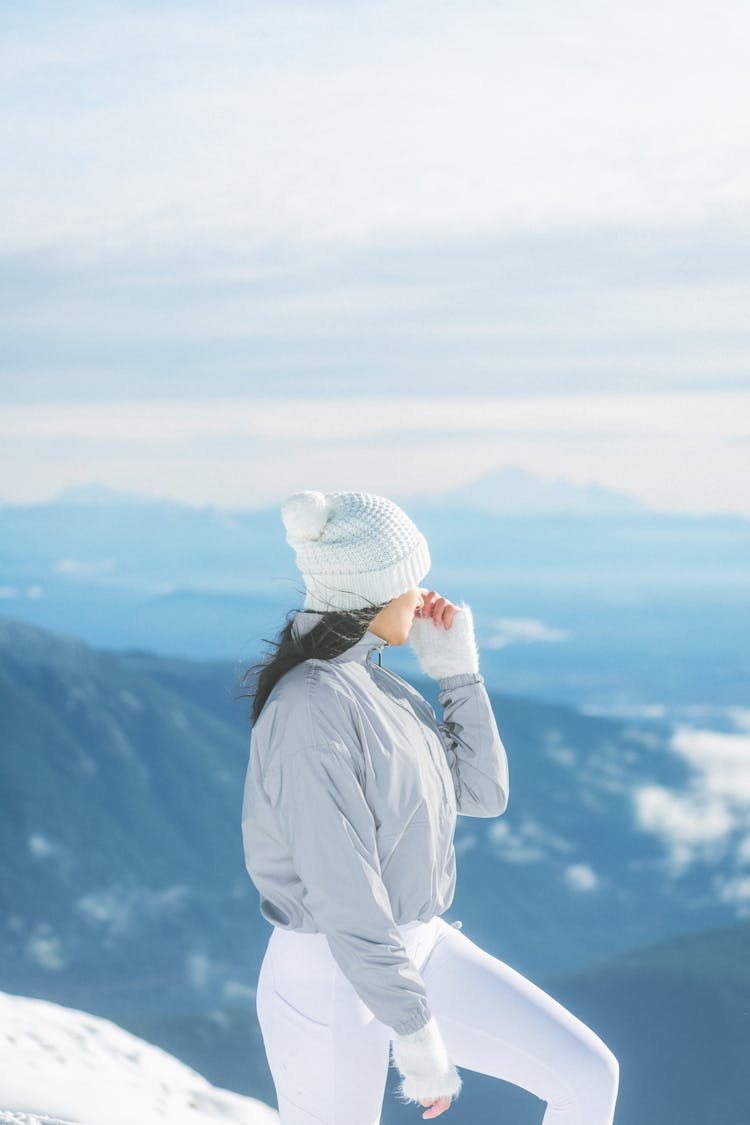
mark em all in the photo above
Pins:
pixel 497 1022
pixel 327 1054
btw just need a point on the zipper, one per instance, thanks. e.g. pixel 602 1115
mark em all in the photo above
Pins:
pixel 438 765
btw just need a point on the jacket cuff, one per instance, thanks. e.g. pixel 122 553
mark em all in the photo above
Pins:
pixel 414 1023
pixel 461 679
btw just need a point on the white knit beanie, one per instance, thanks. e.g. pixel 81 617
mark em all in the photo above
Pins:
pixel 353 548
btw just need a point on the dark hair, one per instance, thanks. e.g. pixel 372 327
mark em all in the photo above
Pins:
pixel 337 630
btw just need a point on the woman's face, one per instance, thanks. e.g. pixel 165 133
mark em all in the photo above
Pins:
pixel 394 622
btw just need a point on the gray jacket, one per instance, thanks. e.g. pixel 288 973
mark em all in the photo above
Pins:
pixel 349 810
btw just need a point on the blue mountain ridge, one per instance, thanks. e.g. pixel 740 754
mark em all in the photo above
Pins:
pixel 616 609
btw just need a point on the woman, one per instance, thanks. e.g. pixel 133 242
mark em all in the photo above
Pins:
pixel 349 812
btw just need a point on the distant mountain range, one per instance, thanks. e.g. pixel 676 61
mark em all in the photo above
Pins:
pixel 619 608
pixel 513 491
pixel 509 490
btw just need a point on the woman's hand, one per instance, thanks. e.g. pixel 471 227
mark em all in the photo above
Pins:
pixel 437 1106
pixel 428 1077
pixel 439 609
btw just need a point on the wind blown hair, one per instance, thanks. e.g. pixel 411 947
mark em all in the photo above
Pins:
pixel 337 630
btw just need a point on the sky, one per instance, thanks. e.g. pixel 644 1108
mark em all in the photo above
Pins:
pixel 248 247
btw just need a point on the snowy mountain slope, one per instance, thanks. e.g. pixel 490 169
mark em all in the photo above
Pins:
pixel 59 1065
pixel 8 1118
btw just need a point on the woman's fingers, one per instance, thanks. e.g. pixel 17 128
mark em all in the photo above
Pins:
pixel 437 1106
pixel 440 609
pixel 429 608
pixel 437 611
pixel 448 614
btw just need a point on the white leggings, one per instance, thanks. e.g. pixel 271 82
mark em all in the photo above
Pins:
pixel 329 1056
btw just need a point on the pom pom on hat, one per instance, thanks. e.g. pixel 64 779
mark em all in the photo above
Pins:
pixel 354 549
pixel 305 514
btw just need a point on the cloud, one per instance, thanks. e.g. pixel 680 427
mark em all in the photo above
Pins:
pixel 320 419
pixel 736 891
pixel 40 847
pixel 303 198
pixel 199 969
pixel 83 566
pixel 581 878
pixel 522 630
pixel 723 761
pixel 631 711
pixel 740 717
pixel 691 825
pixel 464 842
pixel 528 842
pixel 564 755
pixel 703 821
pixel 345 121
pixel 45 948
pixel 45 850
pixel 116 908
pixel 238 990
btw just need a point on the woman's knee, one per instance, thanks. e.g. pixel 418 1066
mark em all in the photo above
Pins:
pixel 609 1063
pixel 598 1069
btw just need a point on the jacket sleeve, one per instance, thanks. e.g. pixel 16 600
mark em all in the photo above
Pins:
pixel 475 752
pixel 330 833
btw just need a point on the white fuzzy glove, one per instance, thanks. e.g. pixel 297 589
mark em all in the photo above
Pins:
pixel 422 1061
pixel 446 652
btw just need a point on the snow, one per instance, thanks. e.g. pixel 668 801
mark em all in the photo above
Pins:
pixel 7 1118
pixel 61 1066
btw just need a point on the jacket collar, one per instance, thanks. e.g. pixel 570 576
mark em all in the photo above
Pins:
pixel 305 619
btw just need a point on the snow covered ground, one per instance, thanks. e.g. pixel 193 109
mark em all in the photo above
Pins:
pixel 9 1118
pixel 60 1066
